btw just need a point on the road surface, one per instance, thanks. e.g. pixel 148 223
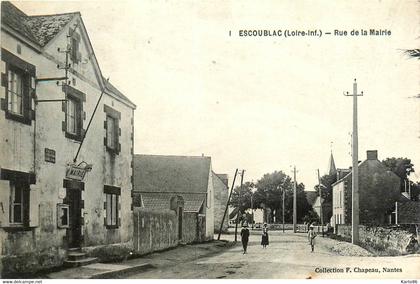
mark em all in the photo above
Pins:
pixel 288 256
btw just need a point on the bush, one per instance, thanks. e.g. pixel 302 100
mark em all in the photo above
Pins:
pixel 111 253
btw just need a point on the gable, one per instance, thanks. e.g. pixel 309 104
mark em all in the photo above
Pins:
pixel 155 173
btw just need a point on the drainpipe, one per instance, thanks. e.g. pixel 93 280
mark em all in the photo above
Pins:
pixel 396 212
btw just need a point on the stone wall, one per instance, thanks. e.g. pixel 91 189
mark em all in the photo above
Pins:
pixel 154 230
pixel 189 227
pixel 383 241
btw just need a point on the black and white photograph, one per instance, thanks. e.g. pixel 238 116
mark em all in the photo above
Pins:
pixel 210 140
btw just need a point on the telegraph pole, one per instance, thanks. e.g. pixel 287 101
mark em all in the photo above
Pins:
pixel 239 206
pixel 294 200
pixel 355 170
pixel 283 208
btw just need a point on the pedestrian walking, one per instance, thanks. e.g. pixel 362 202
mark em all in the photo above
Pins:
pixel 264 236
pixel 311 237
pixel 245 236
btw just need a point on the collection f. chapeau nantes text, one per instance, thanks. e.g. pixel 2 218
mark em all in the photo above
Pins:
pixel 358 270
pixel 311 33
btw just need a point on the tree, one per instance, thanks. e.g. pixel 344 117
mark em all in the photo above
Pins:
pixel 402 167
pixel 269 195
pixel 245 196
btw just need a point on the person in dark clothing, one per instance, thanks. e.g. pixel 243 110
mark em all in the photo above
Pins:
pixel 264 237
pixel 245 236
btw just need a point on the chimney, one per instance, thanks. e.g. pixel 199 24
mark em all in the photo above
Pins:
pixel 372 154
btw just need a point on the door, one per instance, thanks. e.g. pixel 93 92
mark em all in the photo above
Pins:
pixel 180 211
pixel 74 232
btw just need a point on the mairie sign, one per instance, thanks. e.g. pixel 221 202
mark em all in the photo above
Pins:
pixel 77 172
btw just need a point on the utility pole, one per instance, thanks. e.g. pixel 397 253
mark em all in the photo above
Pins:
pixel 355 170
pixel 227 205
pixel 239 206
pixel 283 208
pixel 294 200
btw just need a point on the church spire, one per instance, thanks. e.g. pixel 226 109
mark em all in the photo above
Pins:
pixel 331 164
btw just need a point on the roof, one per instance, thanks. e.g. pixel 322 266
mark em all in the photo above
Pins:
pixel 115 91
pixel 161 201
pixel 311 196
pixel 41 29
pixel 331 165
pixel 409 212
pixel 158 173
pixel 38 29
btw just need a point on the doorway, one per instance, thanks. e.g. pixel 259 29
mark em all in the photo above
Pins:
pixel 74 232
pixel 180 213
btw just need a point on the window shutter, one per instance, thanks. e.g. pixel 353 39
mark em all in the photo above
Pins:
pixel 119 147
pixel 3 104
pixel 33 208
pixel 4 80
pixel 105 125
pixel 4 203
pixel 119 131
pixel 63 126
pixel 64 106
pixel 26 206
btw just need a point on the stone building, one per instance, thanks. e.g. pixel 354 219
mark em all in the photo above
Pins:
pixel 54 197
pixel 183 184
pixel 221 195
pixel 378 190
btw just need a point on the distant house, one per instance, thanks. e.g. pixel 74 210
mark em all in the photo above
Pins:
pixel 374 181
pixel 159 180
pixel 221 195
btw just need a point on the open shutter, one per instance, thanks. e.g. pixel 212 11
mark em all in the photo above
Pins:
pixel 33 208
pixel 4 203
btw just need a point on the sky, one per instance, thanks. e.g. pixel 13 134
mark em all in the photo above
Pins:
pixel 260 103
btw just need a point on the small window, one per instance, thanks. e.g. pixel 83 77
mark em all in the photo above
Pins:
pixel 62 215
pixel 15 93
pixel 73 118
pixel 111 210
pixel 111 132
pixel 75 42
pixel 17 203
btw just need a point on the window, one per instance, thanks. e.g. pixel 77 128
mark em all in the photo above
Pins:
pixel 17 204
pixel 75 55
pixel 15 93
pixel 112 206
pixel 19 83
pixel 111 209
pixel 63 215
pixel 111 132
pixel 72 116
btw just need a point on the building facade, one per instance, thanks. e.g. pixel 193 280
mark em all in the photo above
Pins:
pixel 183 184
pixel 61 186
pixel 378 190
pixel 221 195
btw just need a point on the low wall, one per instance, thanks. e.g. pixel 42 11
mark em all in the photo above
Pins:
pixel 154 230
pixel 386 241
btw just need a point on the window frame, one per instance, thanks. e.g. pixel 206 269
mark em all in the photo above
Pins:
pixel 116 116
pixel 14 186
pixel 114 131
pixel 27 73
pixel 112 207
pixel 78 98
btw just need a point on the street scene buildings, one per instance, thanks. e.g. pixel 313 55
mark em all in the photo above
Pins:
pixel 90 189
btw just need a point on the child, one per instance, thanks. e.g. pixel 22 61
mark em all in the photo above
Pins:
pixel 244 236
pixel 311 237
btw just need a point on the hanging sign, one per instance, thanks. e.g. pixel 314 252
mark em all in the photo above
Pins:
pixel 77 172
